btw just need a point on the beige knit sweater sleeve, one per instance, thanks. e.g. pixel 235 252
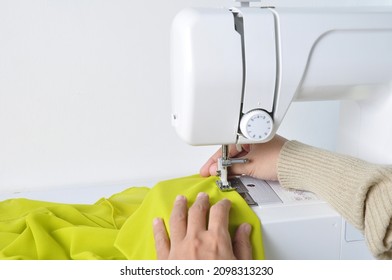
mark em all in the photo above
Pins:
pixel 361 192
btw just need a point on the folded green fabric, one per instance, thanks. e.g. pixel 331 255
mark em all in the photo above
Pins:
pixel 119 227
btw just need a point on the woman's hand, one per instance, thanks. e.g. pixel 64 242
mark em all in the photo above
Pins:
pixel 194 236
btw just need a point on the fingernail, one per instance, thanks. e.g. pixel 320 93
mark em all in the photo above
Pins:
pixel 201 195
pixel 156 221
pixel 228 201
pixel 247 228
pixel 180 198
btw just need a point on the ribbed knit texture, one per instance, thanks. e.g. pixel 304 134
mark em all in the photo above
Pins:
pixel 360 191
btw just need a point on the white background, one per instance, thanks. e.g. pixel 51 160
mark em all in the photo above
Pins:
pixel 85 97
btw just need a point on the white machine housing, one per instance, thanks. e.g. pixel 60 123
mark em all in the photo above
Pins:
pixel 227 63
pixel 279 56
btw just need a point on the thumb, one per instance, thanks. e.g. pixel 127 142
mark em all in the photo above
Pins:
pixel 241 244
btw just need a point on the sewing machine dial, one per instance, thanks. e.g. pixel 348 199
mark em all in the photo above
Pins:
pixel 256 125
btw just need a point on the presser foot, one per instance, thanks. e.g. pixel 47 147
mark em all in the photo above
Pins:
pixel 223 183
pixel 235 184
pixel 225 187
pixel 223 163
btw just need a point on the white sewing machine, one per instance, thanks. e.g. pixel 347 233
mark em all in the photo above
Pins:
pixel 236 71
pixel 82 111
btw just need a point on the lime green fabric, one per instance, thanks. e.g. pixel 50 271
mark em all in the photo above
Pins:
pixel 119 227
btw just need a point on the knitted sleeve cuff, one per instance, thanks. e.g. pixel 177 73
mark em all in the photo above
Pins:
pixel 360 191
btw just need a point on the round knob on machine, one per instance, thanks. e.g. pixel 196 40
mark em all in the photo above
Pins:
pixel 256 125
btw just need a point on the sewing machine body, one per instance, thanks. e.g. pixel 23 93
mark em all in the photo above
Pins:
pixel 229 63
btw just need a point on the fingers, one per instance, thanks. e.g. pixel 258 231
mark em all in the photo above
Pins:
pixel 219 216
pixel 178 219
pixel 241 243
pixel 197 216
pixel 162 243
pixel 186 226
pixel 211 166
